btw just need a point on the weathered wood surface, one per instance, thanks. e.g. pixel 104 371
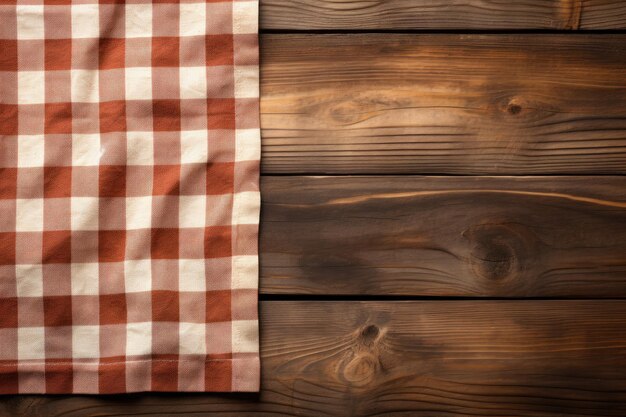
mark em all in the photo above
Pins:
pixel 513 104
pixel 461 358
pixel 456 104
pixel 444 236
pixel 442 14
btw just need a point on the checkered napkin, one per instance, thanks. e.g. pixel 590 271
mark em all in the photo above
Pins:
pixel 129 199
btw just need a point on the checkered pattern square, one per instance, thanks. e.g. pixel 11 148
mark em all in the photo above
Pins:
pixel 129 197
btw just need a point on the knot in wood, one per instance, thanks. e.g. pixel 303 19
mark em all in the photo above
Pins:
pixel 361 369
pixel 514 109
pixel 362 361
pixel 370 333
pixel 346 112
pixel 495 250
pixel 514 106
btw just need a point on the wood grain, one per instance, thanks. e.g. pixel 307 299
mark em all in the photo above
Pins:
pixel 460 358
pixel 454 104
pixel 442 14
pixel 444 236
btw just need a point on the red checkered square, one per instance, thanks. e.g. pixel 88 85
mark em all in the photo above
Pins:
pixel 8 183
pixel 8 119
pixel 165 306
pixel 58 118
pixel 220 178
pixel 8 306
pixel 57 247
pixel 111 245
pixel 57 311
pixel 217 242
pixel 112 181
pixel 56 373
pixel 129 168
pixel 57 54
pixel 111 53
pixel 57 181
pixel 165 51
pixel 221 113
pixel 164 244
pixel 166 115
pixel 8 58
pixel 218 304
pixel 112 116
pixel 219 50
pixel 113 309
pixel 166 180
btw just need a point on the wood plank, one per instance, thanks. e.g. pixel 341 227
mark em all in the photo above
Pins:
pixel 442 14
pixel 444 236
pixel 458 104
pixel 521 358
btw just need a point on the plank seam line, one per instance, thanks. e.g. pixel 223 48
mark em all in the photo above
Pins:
pixel 389 297
pixel 436 174
pixel 444 31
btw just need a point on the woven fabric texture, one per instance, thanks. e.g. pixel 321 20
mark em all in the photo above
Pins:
pixel 129 196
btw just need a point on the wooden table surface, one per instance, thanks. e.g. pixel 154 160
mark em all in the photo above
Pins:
pixel 444 215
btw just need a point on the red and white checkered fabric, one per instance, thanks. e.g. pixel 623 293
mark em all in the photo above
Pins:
pixel 129 199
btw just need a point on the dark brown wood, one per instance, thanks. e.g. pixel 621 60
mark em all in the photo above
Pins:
pixel 444 236
pixel 602 14
pixel 442 14
pixel 459 104
pixel 461 358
